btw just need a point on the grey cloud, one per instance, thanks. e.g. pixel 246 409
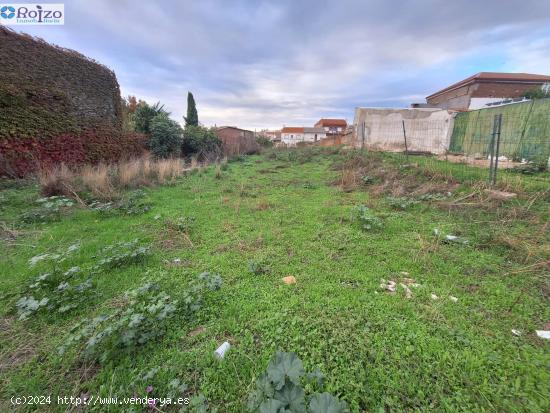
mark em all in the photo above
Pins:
pixel 268 63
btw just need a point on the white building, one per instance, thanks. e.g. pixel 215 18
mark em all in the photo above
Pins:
pixel 291 135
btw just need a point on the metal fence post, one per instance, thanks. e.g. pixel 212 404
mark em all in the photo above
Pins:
pixel 499 126
pixel 405 138
pixel 492 150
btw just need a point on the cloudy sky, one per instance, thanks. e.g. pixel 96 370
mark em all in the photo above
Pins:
pixel 263 64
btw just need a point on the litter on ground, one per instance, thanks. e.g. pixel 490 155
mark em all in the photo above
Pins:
pixel 456 239
pixel 517 333
pixel 408 292
pixel 289 280
pixel 493 193
pixel 389 286
pixel 543 334
pixel 450 238
pixel 221 350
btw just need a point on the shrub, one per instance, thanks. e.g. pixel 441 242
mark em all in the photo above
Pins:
pixel 200 141
pixel 264 141
pixel 166 136
pixel 537 93
pixel 144 114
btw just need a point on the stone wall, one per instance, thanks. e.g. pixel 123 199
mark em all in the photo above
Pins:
pixel 46 90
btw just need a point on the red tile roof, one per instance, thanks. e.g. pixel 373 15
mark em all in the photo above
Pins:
pixel 292 129
pixel 332 122
pixel 484 77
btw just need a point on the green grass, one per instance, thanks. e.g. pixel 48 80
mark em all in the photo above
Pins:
pixel 380 352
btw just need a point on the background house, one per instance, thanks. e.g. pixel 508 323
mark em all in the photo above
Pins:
pixel 291 135
pixel 485 89
pixel 273 135
pixel 332 126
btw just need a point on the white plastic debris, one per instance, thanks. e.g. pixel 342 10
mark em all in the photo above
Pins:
pixel 453 299
pixel 221 350
pixel 389 286
pixel 456 239
pixel 543 334
pixel 176 260
pixel 434 297
pixel 408 292
pixel 517 333
pixel 450 237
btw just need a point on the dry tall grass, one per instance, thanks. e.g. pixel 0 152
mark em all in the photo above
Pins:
pixel 105 181
pixel 168 170
pixel 131 174
pixel 56 181
pixel 97 180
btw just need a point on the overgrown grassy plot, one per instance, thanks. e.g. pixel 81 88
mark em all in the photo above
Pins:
pixel 301 213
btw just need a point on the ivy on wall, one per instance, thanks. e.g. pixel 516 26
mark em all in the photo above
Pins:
pixel 19 157
pixel 57 105
pixel 46 90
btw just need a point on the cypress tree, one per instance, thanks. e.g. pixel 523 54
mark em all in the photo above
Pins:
pixel 192 118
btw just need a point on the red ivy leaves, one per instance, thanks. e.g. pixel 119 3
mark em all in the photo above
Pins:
pixel 21 156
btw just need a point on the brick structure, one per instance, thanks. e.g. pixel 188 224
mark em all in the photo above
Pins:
pixel 485 89
pixel 236 140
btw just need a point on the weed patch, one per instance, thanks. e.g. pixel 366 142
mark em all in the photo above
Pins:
pixel 142 320
pixel 281 388
pixel 367 220
pixel 49 209
pixel 122 254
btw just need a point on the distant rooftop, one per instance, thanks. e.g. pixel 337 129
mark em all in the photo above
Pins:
pixel 293 129
pixel 331 122
pixel 232 127
pixel 484 77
